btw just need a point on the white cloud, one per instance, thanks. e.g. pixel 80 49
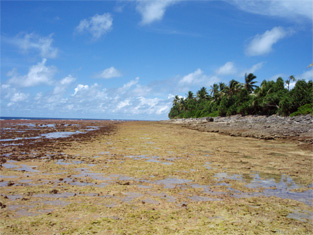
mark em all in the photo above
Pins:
pixel 63 84
pixel 307 75
pixel 80 88
pixel 17 97
pixel 38 74
pixel 122 104
pixel 252 69
pixel 96 25
pixel 193 81
pixel 132 100
pixel 153 10
pixel 290 9
pixel 109 73
pixel 227 69
pixel 255 67
pixel 141 90
pixel 128 85
pixel 262 44
pixel 67 80
pixel 38 96
pixel 28 42
pixel 196 79
pixel 191 78
pixel 163 109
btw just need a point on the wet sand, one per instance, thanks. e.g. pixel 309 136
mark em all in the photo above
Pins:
pixel 82 177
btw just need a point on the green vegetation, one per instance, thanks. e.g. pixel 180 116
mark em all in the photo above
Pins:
pixel 246 99
pixel 303 110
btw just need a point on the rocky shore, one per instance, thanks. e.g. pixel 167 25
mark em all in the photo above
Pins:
pixel 299 128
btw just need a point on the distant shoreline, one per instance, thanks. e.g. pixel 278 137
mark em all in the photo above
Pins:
pixel 67 119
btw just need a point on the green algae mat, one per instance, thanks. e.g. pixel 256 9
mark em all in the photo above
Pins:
pixel 158 178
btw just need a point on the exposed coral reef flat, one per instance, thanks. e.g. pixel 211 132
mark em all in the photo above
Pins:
pixel 82 177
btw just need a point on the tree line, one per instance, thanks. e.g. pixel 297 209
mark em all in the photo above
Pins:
pixel 271 97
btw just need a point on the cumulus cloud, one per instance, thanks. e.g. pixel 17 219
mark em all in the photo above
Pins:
pixel 150 106
pixel 38 74
pixel 12 95
pixel 97 25
pixel 291 10
pixel 153 10
pixel 80 88
pixel 109 73
pixel 196 79
pixel 127 101
pixel 67 80
pixel 34 42
pixel 17 97
pixel 227 69
pixel 262 44
pixel 63 84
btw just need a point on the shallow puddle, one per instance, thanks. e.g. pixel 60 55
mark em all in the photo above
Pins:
pixel 27 168
pixel 64 134
pixel 172 182
pixel 55 194
pixel 203 198
pixel 20 138
pixel 306 215
pixel 9 166
pixel 131 196
pixel 63 162
pixel 269 187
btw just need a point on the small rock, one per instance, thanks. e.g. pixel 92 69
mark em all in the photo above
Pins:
pixel 54 191
pixel 2 205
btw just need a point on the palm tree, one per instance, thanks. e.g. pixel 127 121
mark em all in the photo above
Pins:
pixel 176 100
pixel 233 88
pixel 223 89
pixel 291 78
pixel 214 91
pixel 202 94
pixel 249 83
pixel 190 95
pixel 182 104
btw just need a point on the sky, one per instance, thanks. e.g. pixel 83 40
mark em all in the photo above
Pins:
pixel 128 59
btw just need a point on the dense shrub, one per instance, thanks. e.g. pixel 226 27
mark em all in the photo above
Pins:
pixel 303 110
pixel 246 99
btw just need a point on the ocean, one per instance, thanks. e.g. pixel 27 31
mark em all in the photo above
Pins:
pixel 48 118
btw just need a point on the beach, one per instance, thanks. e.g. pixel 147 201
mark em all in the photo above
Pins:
pixel 141 177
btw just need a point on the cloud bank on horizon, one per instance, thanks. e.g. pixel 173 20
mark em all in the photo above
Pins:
pixel 128 63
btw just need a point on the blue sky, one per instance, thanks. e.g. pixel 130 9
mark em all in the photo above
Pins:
pixel 128 59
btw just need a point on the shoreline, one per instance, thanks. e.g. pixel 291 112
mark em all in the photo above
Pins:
pixel 298 128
